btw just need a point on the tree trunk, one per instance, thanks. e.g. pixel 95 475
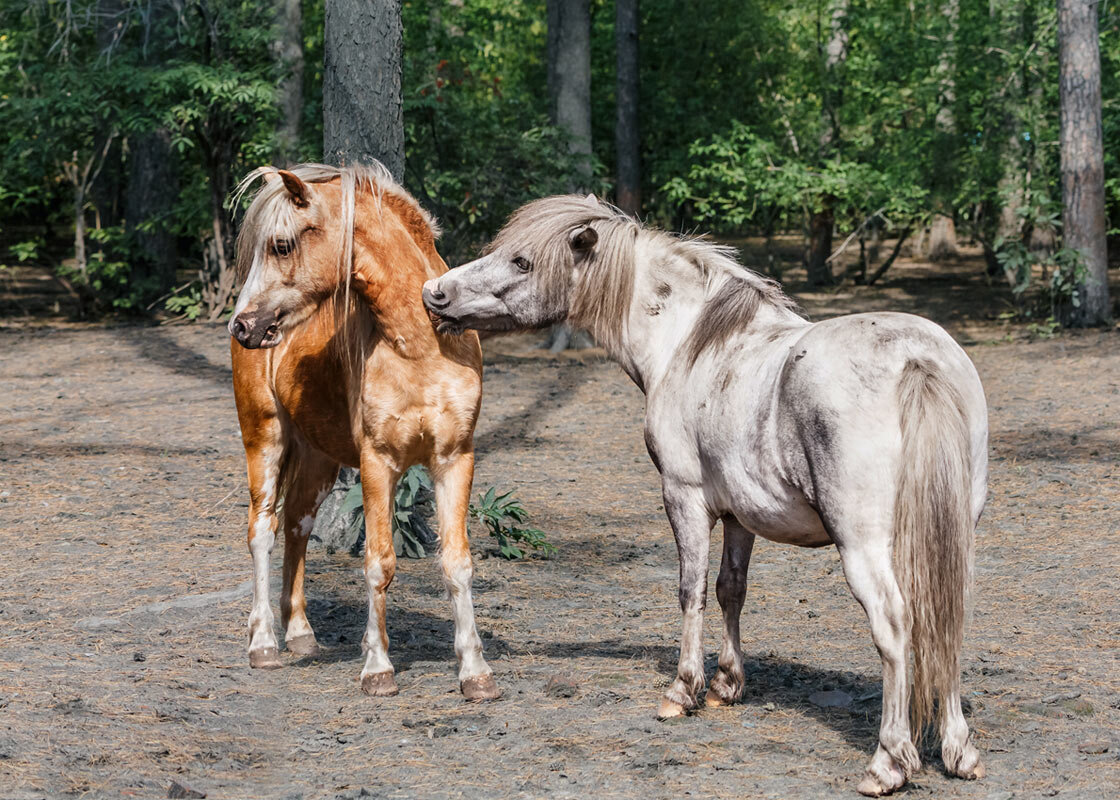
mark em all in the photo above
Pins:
pixel 362 114
pixel 820 245
pixel 1082 154
pixel 942 239
pixel 569 73
pixel 821 222
pixel 569 91
pixel 628 191
pixel 288 52
pixel 152 189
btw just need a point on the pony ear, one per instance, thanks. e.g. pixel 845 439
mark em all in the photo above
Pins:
pixel 582 239
pixel 300 191
pixel 592 199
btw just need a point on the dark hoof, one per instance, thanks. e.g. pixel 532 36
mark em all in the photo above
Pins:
pixel 304 645
pixel 379 684
pixel 265 658
pixel 481 688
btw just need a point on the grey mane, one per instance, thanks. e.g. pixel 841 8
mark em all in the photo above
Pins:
pixel 599 301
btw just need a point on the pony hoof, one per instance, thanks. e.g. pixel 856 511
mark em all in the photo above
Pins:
pixel 379 684
pixel 713 700
pixel 670 709
pixel 304 645
pixel 870 787
pixel 884 783
pixel 480 688
pixel 265 658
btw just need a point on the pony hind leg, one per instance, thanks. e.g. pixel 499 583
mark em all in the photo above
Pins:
pixel 379 480
pixel 264 453
pixel 453 488
pixel 692 528
pixel 960 756
pixel 731 589
pixel 311 479
pixel 867 566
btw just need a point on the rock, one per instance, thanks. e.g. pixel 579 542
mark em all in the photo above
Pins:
pixel 1000 796
pixel 1060 696
pixel 831 699
pixel 1093 748
pixel 333 530
pixel 177 789
pixel 558 686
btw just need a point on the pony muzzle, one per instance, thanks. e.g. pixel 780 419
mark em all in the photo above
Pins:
pixel 256 329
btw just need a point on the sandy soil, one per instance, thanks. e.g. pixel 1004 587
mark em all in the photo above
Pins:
pixel 124 597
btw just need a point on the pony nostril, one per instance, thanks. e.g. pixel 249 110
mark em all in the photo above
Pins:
pixel 239 328
pixel 437 294
pixel 271 331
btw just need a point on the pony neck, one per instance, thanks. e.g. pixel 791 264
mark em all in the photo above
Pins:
pixel 389 269
pixel 670 301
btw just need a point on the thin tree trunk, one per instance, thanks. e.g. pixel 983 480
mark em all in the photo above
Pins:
pixel 149 205
pixel 288 51
pixel 1082 153
pixel 890 259
pixel 362 112
pixel 821 222
pixel 626 131
pixel 820 245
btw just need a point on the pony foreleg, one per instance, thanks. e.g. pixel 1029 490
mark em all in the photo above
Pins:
pixel 453 490
pixel 731 589
pixel 692 527
pixel 378 483
pixel 264 453
pixel 871 578
pixel 301 502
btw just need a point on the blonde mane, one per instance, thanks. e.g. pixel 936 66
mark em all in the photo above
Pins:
pixel 599 301
pixel 271 214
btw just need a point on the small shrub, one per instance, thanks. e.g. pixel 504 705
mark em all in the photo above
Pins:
pixel 502 515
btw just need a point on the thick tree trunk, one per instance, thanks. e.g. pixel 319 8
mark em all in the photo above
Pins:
pixel 1082 153
pixel 569 73
pixel 942 239
pixel 362 114
pixel 627 139
pixel 569 92
pixel 149 204
pixel 288 51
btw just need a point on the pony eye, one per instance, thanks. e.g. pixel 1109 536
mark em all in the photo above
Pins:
pixel 283 247
pixel 523 264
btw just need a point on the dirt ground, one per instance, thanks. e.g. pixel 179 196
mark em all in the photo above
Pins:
pixel 124 594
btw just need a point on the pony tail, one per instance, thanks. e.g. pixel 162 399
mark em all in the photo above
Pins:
pixel 933 532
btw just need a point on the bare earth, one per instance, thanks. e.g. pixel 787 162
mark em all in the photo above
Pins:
pixel 124 597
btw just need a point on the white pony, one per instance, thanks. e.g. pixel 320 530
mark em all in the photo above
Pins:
pixel 868 432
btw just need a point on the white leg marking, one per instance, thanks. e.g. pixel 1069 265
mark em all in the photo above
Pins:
pixel 377 654
pixel 457 574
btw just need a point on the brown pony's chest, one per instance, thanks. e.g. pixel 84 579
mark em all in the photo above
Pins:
pixel 417 410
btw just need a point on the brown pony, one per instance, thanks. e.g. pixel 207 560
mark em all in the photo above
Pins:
pixel 335 361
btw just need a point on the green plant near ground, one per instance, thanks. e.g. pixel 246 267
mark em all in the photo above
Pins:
pixel 409 526
pixel 1050 292
pixel 503 516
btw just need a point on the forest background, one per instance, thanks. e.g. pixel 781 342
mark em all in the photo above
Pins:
pixel 125 124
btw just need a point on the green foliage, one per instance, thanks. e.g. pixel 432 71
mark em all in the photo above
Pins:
pixel 745 127
pixel 740 179
pixel 503 516
pixel 413 493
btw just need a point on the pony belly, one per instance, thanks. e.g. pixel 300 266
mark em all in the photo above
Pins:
pixel 800 526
